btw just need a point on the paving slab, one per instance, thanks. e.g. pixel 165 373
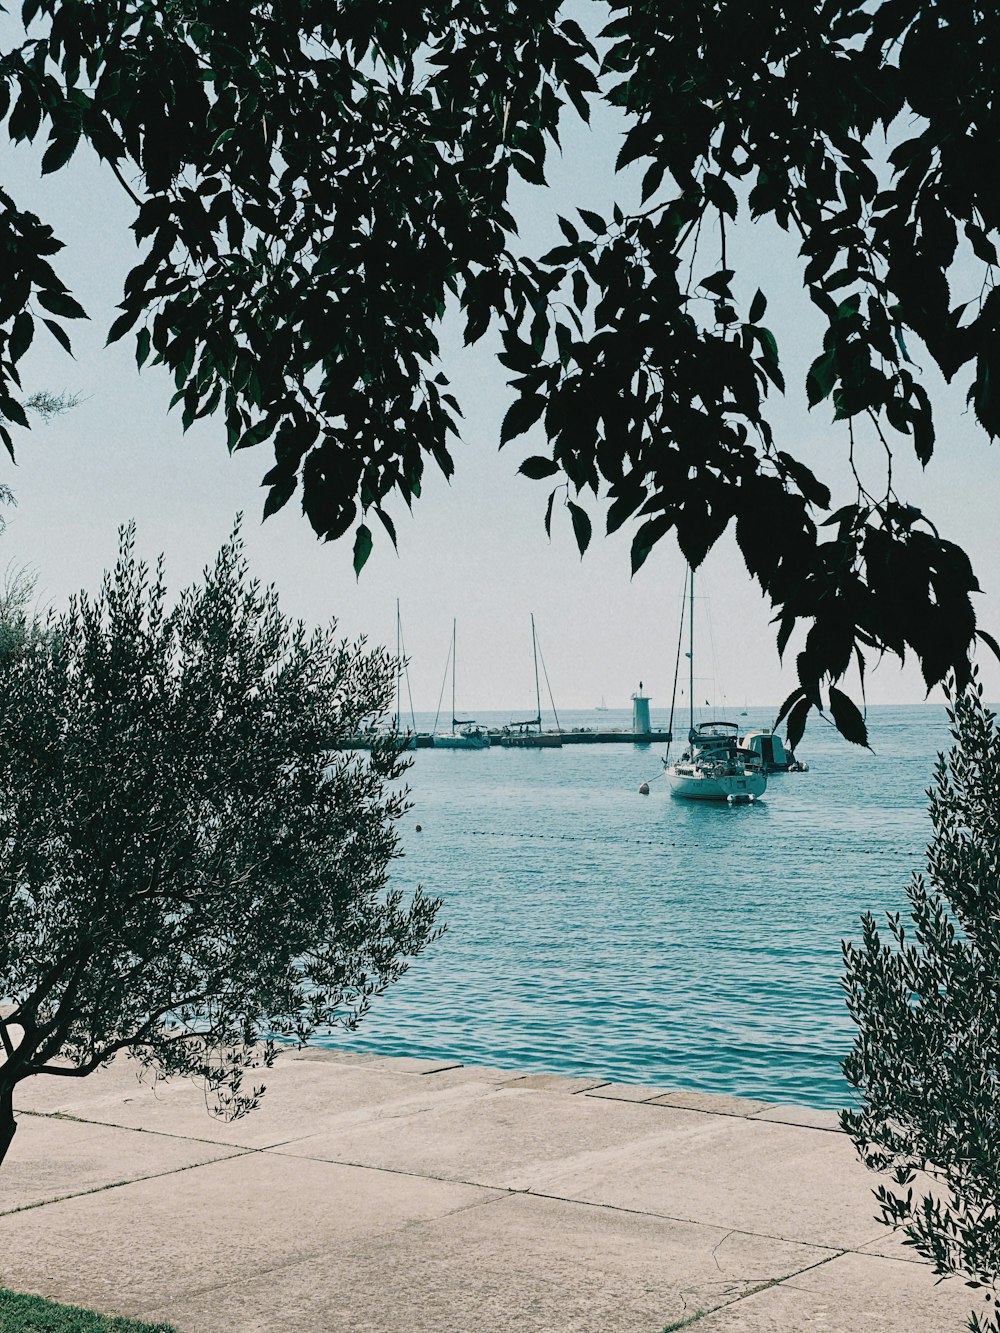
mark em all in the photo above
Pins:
pixel 892 1245
pixel 170 1239
pixel 713 1103
pixel 810 1116
pixel 553 1083
pixel 769 1178
pixel 520 1263
pixel 853 1293
pixel 301 1097
pixel 510 1139
pixel 392 1197
pixel 627 1092
pixel 398 1064
pixel 52 1158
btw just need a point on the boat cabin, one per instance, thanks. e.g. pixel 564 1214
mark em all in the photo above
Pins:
pixel 769 750
pixel 713 740
pixel 714 733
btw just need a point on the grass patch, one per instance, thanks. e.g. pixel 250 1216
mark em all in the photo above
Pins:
pixel 32 1314
pixel 686 1322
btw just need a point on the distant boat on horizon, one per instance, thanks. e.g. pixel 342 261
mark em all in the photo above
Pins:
pixel 601 707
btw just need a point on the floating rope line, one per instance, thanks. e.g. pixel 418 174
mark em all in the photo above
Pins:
pixel 659 842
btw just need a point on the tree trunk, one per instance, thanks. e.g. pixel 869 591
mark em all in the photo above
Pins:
pixel 7 1122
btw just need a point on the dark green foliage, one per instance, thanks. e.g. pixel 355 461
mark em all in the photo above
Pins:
pixel 33 1314
pixel 316 184
pixel 926 1059
pixel 184 865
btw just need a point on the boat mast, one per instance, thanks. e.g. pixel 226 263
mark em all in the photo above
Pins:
pixel 538 693
pixel 453 655
pixel 677 675
pixel 691 656
pixel 399 662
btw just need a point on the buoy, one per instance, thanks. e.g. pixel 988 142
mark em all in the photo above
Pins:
pixel 644 789
pixel 420 828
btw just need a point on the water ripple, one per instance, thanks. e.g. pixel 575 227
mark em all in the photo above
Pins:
pixel 594 931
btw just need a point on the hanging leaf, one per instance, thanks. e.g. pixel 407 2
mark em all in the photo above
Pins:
pixel 847 717
pixel 362 548
pixel 990 642
pixel 59 152
pixel 521 416
pixel 581 525
pixel 536 468
pixel 797 722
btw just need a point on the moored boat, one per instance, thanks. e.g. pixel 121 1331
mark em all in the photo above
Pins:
pixel 528 735
pixel 714 767
pixel 774 755
pixel 465 734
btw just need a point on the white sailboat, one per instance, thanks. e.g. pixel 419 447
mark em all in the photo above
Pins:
pixel 714 767
pixel 410 739
pixel 465 733
pixel 528 735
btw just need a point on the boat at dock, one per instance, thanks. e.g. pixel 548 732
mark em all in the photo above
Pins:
pixel 466 733
pixel 408 738
pixel 516 736
pixel 528 735
pixel 714 767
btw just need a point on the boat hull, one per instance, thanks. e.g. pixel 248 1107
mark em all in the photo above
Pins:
pixel 461 742
pixel 706 787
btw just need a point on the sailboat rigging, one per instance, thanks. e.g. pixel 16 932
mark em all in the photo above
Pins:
pixel 529 734
pixel 714 767
pixel 465 733
pixel 402 671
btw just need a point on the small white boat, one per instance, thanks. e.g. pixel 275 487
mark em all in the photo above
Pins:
pixel 467 737
pixel 714 767
pixel 775 757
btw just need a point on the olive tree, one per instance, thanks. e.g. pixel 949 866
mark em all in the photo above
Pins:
pixel 189 867
pixel 926 1000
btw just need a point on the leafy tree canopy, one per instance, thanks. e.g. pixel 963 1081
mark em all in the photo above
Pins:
pixel 184 867
pixel 317 182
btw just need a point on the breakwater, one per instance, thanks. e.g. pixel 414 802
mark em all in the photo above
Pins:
pixel 544 740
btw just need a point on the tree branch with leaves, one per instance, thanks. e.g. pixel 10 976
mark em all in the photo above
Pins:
pixel 317 188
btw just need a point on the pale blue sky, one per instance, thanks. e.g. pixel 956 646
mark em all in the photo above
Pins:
pixel 475 549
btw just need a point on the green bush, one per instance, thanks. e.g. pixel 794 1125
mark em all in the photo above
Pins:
pixel 926 1001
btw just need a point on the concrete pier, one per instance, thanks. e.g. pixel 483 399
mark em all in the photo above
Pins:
pixel 549 739
pixel 615 737
pixel 373 1195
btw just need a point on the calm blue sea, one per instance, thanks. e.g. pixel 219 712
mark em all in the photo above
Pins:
pixel 591 930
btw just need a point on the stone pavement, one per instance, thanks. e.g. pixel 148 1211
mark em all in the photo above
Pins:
pixel 372 1195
